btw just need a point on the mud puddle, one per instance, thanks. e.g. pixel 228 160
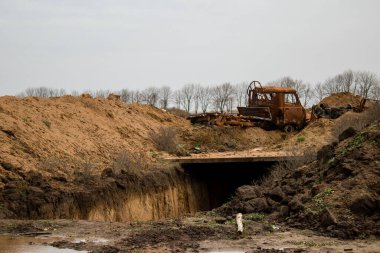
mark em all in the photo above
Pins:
pixel 202 233
pixel 23 244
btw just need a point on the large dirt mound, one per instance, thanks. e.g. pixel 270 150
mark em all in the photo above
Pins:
pixel 59 156
pixel 37 131
pixel 341 99
pixel 337 194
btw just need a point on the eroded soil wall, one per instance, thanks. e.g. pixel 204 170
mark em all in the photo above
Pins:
pixel 178 196
pixel 121 197
pixel 124 196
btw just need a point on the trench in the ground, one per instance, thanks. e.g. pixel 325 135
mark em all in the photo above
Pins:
pixel 222 179
pixel 158 194
pixel 197 187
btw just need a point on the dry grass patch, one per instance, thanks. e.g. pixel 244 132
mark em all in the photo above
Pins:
pixel 165 139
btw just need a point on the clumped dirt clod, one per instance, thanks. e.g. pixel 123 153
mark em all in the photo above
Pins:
pixel 337 195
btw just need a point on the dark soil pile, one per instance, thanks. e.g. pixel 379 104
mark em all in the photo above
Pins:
pixel 338 194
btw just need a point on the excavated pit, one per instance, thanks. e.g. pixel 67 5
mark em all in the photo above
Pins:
pixel 198 187
pixel 222 179
pixel 123 197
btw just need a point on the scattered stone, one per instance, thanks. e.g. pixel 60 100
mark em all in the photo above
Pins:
pixel 272 204
pixel 256 205
pixel 247 192
pixel 283 211
pixel 277 194
pixel 349 132
pixel 366 205
pixel 288 190
pixel 326 153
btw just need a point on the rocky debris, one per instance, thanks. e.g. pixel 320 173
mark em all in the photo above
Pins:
pixel 247 192
pixel 277 194
pixel 256 205
pixel 349 132
pixel 337 195
pixel 365 205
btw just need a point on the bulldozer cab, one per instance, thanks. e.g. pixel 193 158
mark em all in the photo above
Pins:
pixel 279 105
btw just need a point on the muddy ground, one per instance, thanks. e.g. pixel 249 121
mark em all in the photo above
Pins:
pixel 202 233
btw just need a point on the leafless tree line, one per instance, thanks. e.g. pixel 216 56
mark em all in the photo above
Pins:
pixel 226 97
pixel 363 83
pixel 43 92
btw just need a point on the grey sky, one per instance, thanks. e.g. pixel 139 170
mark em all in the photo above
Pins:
pixel 115 44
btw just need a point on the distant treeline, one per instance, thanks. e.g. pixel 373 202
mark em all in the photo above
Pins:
pixel 226 97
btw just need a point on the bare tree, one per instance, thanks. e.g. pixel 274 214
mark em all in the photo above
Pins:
pixel 177 95
pixel 187 96
pixel 240 91
pixel 230 104
pixel 125 95
pixel 197 96
pixel 150 96
pixel 44 92
pixel 366 80
pixel 221 95
pixel 319 91
pixel 286 81
pixel 348 80
pixel 136 97
pixel 375 92
pixel 100 93
pixel 330 86
pixel 74 93
pixel 204 98
pixel 343 82
pixel 307 95
pixel 164 94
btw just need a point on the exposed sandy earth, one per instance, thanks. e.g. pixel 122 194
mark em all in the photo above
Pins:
pixel 47 147
pixel 36 131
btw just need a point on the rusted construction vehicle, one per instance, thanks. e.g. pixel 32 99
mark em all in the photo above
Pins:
pixel 278 105
pixel 267 106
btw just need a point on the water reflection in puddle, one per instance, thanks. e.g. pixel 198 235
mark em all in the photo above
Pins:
pixel 18 244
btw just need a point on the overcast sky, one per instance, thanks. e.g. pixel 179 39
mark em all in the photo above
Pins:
pixel 115 44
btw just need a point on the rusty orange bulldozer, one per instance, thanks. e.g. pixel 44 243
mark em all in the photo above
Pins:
pixel 268 107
